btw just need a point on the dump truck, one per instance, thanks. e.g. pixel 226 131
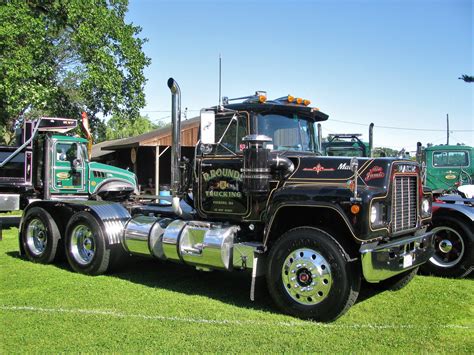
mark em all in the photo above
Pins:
pixel 260 198
pixel 48 164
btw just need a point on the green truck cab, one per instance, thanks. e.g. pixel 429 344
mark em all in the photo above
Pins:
pixel 47 164
pixel 74 173
pixel 447 166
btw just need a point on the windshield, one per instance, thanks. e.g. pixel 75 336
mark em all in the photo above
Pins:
pixel 288 132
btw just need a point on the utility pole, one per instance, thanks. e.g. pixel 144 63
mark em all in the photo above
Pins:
pixel 220 79
pixel 447 129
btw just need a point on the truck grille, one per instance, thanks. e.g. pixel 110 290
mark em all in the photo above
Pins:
pixel 404 203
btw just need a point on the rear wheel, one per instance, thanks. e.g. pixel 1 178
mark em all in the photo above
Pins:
pixel 39 236
pixel 308 275
pixel 85 245
pixel 454 248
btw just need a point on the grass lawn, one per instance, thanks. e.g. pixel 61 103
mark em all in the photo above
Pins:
pixel 160 307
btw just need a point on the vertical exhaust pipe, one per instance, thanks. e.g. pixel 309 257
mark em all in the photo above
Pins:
pixel 175 144
pixel 320 138
pixel 371 139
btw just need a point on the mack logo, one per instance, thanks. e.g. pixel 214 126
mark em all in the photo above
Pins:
pixel 344 166
pixel 406 168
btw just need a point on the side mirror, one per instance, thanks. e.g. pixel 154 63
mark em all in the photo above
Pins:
pixel 208 127
pixel 354 164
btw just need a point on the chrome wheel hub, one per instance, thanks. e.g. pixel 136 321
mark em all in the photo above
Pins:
pixel 82 244
pixel 36 237
pixel 449 247
pixel 306 276
pixel 445 246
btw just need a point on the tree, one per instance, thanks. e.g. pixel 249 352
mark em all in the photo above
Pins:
pixel 63 57
pixel 467 78
pixel 118 127
pixel 385 152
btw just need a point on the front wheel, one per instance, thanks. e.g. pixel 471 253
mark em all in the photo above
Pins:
pixel 454 248
pixel 85 245
pixel 308 275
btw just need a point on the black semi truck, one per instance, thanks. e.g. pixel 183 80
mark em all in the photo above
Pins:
pixel 261 198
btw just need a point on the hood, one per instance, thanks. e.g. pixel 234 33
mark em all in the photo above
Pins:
pixel 111 170
pixel 373 172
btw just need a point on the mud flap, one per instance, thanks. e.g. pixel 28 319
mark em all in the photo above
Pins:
pixel 258 283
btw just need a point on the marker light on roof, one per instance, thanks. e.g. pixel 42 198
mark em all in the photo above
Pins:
pixel 306 102
pixel 290 98
pixel 262 98
pixel 299 100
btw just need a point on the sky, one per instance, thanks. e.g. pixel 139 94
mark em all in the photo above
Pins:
pixel 393 63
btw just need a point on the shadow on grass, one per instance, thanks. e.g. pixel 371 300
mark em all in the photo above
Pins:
pixel 228 287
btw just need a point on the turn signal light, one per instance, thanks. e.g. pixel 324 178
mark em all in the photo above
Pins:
pixel 262 98
pixel 355 209
pixel 290 98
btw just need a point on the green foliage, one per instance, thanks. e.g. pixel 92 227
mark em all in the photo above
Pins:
pixel 62 57
pixel 151 307
pixel 117 127
pixel 384 152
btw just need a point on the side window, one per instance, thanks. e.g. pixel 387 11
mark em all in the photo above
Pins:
pixel 232 139
pixel 66 151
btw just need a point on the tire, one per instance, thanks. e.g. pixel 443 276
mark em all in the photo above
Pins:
pixel 325 284
pixel 454 248
pixel 85 246
pixel 39 236
pixel 397 282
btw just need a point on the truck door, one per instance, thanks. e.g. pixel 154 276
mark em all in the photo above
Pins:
pixel 68 173
pixel 220 181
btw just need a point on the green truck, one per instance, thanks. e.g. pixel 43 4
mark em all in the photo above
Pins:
pixel 346 144
pixel 446 166
pixel 47 164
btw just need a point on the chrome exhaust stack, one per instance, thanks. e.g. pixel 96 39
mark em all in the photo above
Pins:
pixel 175 145
pixel 371 139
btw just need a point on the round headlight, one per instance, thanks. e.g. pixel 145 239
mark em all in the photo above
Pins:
pixel 373 214
pixel 425 206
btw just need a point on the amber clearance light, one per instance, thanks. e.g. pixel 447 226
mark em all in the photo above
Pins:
pixel 355 209
pixel 262 98
pixel 290 98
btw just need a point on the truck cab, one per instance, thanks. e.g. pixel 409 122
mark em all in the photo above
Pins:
pixel 48 165
pixel 447 167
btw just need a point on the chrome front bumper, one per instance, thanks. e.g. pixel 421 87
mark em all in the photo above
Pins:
pixel 382 261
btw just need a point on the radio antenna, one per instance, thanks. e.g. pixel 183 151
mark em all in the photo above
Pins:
pixel 220 80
